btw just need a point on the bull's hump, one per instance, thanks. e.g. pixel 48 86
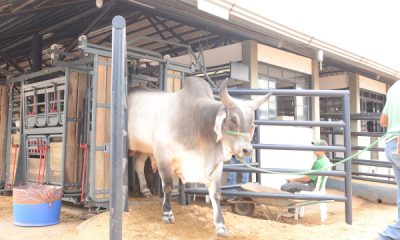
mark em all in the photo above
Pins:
pixel 196 86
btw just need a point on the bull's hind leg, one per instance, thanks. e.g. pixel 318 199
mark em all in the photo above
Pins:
pixel 140 160
pixel 166 172
pixel 214 190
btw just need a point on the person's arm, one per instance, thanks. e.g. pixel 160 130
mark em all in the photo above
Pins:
pixel 384 120
pixel 300 179
pixel 398 144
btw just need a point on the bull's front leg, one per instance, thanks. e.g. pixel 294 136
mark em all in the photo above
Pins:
pixel 140 160
pixel 214 190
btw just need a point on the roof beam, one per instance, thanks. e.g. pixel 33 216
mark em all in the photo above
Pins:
pixel 8 59
pixel 158 31
pixel 170 30
pixel 40 9
pixel 179 49
pixel 52 28
pixel 2 70
pixel 90 28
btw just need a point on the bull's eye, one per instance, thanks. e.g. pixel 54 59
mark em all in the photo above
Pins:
pixel 233 121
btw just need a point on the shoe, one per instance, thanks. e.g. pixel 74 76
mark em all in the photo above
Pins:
pixel 288 215
pixel 224 203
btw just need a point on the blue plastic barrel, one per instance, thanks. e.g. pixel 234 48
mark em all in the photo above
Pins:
pixel 35 206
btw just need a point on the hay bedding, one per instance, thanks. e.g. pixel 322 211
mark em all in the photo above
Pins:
pixel 196 222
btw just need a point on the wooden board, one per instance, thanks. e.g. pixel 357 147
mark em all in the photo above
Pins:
pixel 79 126
pixel 100 127
pixel 3 124
pixel 33 164
pixel 55 158
pixel 107 131
pixel 14 140
pixel 71 148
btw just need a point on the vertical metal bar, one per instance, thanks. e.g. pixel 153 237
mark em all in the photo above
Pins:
pixel 117 117
pixel 64 136
pixel 258 151
pixel 161 76
pixel 9 125
pixel 125 126
pixel 182 199
pixel 182 79
pixel 22 160
pixel 347 153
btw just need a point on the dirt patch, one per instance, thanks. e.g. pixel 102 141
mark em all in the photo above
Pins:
pixel 196 222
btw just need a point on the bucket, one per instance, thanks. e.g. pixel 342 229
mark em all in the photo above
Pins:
pixel 35 206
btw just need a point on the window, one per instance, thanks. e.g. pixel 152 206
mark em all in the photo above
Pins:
pixel 371 102
pixel 284 107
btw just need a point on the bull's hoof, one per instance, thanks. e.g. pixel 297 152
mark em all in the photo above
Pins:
pixel 168 219
pixel 147 194
pixel 221 232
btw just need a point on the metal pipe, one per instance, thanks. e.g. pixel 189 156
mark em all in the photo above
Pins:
pixel 371 149
pixel 374 180
pixel 269 195
pixel 373 174
pixel 285 170
pixel 299 148
pixel 347 153
pixel 117 117
pixel 255 164
pixel 64 136
pixel 258 140
pixel 298 123
pixel 281 92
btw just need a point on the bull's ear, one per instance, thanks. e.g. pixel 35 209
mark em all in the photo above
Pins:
pixel 251 132
pixel 218 122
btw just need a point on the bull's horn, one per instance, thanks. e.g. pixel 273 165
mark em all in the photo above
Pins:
pixel 227 100
pixel 256 103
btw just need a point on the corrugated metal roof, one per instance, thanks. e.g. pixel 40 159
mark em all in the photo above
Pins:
pixel 20 19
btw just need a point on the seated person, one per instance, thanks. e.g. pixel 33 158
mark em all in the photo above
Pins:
pixel 307 182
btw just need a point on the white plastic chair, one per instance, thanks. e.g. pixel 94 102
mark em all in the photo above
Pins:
pixel 316 191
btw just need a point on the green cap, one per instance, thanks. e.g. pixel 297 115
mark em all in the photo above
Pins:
pixel 320 142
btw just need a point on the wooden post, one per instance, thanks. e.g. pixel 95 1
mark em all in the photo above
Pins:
pixel 3 124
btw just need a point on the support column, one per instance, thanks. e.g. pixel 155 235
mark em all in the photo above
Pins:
pixel 37 52
pixel 315 100
pixel 355 125
pixel 250 57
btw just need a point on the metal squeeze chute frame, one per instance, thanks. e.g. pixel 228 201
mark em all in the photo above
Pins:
pixel 41 123
pixel 139 75
pixel 40 129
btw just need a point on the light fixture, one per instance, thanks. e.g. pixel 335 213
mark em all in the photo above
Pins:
pixel 280 43
pixel 319 55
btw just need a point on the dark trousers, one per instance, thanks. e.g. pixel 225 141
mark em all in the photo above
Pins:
pixel 297 187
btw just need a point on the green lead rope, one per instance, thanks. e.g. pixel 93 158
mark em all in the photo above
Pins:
pixel 238 133
pixel 313 171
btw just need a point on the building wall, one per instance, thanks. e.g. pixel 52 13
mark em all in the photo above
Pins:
pixel 284 59
pixel 216 56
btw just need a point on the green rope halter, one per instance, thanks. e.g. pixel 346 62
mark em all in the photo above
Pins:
pixel 238 133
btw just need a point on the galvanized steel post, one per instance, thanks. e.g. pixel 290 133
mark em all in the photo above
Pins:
pixel 347 153
pixel 118 72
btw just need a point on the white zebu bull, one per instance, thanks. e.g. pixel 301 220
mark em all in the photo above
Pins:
pixel 187 132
